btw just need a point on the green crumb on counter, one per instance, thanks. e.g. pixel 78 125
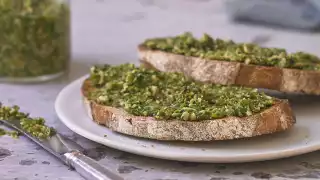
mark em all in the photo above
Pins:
pixel 34 126
pixel 227 50
pixel 13 134
pixel 165 96
pixel 2 132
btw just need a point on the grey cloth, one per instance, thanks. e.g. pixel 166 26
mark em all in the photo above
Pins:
pixel 303 14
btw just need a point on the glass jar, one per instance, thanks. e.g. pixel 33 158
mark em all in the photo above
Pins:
pixel 34 40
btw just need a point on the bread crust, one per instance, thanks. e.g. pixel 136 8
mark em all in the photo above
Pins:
pixel 277 118
pixel 226 73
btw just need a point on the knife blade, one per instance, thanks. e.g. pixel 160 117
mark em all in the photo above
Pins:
pixel 70 153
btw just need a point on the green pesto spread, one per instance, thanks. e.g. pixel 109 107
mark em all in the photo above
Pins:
pixel 227 50
pixel 13 134
pixel 165 96
pixel 34 37
pixel 34 126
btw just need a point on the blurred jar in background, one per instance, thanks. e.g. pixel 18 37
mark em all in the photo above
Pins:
pixel 34 40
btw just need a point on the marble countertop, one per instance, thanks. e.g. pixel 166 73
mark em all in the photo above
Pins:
pixel 108 31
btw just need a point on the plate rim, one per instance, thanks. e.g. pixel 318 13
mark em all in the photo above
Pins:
pixel 271 155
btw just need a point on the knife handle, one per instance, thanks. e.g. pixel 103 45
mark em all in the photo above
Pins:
pixel 89 168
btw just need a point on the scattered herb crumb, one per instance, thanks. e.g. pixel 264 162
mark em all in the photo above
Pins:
pixel 34 126
pixel 13 134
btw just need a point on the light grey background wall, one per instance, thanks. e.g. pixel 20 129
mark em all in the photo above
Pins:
pixel 109 30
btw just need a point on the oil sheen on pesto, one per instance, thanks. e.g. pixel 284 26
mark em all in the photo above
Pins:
pixel 165 96
pixel 34 126
pixel 34 37
pixel 227 50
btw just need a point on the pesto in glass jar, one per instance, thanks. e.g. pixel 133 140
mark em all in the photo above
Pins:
pixel 34 39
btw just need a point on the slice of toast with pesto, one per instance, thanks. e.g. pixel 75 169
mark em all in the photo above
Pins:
pixel 159 105
pixel 226 62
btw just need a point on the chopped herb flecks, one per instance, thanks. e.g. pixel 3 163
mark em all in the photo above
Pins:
pixel 34 126
pixel 164 95
pixel 226 50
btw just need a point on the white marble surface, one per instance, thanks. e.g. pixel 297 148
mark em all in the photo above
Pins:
pixel 108 31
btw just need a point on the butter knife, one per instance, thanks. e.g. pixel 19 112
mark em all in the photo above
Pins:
pixel 70 153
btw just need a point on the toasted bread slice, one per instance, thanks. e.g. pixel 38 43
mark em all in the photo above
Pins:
pixel 277 118
pixel 227 73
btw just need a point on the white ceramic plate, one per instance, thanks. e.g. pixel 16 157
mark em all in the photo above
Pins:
pixel 305 137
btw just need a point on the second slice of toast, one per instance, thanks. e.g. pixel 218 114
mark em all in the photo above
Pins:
pixel 289 80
